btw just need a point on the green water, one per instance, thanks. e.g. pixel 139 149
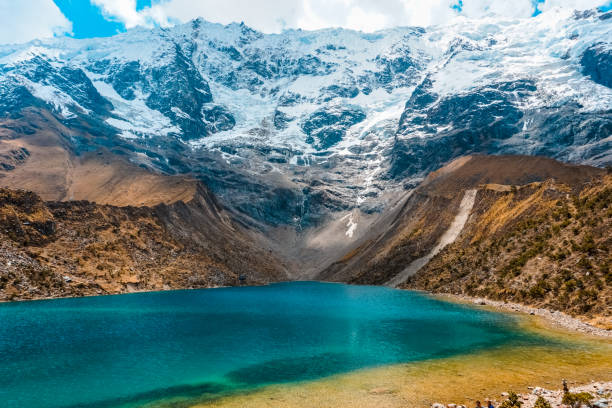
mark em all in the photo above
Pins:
pixel 129 350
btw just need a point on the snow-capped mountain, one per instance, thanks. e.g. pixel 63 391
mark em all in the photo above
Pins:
pixel 289 127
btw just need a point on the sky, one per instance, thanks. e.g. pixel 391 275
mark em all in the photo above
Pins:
pixel 26 20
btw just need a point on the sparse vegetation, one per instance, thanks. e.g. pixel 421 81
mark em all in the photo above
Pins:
pixel 80 248
pixel 576 400
pixel 542 403
pixel 512 401
pixel 554 254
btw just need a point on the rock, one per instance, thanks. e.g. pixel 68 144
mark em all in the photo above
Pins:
pixel 327 126
pixel 217 118
pixel 437 405
pixel 596 63
pixel 469 123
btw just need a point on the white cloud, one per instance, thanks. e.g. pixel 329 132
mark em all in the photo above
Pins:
pixel 276 15
pixel 433 12
pixel 122 10
pixel 573 4
pixel 269 16
pixel 22 21
pixel 365 15
pixel 510 9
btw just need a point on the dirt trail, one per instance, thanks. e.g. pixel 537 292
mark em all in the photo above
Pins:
pixel 449 236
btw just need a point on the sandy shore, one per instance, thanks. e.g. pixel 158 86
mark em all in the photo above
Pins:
pixel 555 318
pixel 601 392
pixel 461 379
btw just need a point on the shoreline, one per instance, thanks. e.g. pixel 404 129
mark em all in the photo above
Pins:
pixel 600 390
pixel 466 379
pixel 555 318
pixel 467 376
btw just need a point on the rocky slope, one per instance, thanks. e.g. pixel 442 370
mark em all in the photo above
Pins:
pixel 76 248
pixel 538 233
pixel 97 223
pixel 292 129
pixel 540 244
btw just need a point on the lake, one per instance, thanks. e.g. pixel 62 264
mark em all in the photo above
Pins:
pixel 147 348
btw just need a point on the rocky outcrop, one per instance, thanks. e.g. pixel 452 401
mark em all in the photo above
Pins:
pixel 594 394
pixel 493 119
pixel 327 126
pixel 596 62
pixel 438 129
pixel 69 84
pixel 13 158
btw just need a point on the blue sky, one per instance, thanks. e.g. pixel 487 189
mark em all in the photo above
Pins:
pixel 88 20
pixel 22 21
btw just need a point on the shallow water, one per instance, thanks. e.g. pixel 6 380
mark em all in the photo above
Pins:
pixel 181 347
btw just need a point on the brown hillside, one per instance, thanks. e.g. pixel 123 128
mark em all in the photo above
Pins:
pixel 97 223
pixel 512 192
pixel 40 160
pixel 475 171
pixel 429 210
pixel 51 249
pixel 541 244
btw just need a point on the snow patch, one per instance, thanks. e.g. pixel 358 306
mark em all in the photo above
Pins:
pixel 60 101
pixel 351 226
pixel 134 118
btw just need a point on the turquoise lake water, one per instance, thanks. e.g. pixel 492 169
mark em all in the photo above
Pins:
pixel 129 350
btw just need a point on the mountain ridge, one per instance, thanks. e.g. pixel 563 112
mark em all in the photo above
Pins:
pixel 329 120
pixel 538 226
